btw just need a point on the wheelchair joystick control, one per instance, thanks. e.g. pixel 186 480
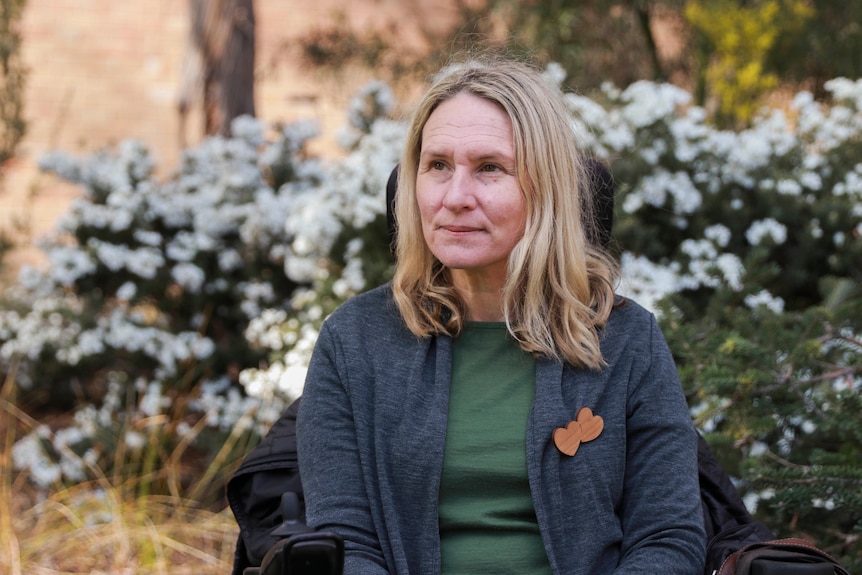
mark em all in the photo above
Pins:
pixel 291 525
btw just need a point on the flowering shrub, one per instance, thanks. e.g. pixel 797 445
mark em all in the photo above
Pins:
pixel 163 301
pixel 210 288
pixel 748 246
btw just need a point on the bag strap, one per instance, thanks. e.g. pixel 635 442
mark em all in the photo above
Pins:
pixel 740 561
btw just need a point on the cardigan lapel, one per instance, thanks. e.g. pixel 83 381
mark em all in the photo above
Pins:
pixel 548 413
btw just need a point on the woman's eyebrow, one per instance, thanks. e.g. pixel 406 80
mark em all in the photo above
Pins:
pixel 478 156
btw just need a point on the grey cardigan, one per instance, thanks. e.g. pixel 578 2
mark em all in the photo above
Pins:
pixel 372 426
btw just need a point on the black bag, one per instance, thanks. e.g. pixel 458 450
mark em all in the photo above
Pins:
pixel 729 526
pixel 781 557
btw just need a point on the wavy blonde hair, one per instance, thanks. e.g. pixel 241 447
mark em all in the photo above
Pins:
pixel 559 289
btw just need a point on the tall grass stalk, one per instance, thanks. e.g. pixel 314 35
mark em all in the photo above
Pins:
pixel 9 548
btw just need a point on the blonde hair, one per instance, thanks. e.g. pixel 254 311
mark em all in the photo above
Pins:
pixel 559 287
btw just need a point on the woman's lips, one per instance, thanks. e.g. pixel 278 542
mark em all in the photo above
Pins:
pixel 460 229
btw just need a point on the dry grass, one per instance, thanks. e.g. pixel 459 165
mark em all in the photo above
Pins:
pixel 105 526
pixel 87 530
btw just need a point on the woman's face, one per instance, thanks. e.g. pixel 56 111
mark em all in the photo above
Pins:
pixel 467 189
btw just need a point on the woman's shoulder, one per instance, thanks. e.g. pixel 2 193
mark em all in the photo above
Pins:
pixel 369 325
pixel 370 310
pixel 628 310
pixel 630 320
pixel 378 300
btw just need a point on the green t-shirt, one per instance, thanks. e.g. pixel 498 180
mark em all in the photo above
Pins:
pixel 487 520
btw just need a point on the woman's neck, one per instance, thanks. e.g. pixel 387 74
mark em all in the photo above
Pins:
pixel 482 300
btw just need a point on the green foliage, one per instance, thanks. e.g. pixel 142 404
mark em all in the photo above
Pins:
pixel 827 46
pixel 595 41
pixel 12 75
pixel 732 54
pixel 338 46
pixel 779 395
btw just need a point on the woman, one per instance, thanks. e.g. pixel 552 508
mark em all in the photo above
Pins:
pixel 497 409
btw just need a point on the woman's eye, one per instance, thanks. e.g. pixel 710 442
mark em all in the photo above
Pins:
pixel 437 165
pixel 490 168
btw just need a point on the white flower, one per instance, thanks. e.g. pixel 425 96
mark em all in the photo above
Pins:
pixel 764 298
pixel 647 282
pixel 189 276
pixel 112 256
pixel 699 249
pixel 811 180
pixel 202 347
pixel 69 264
pixel 718 233
pixel 654 189
pixel 127 291
pixel 846 89
pixel 767 227
pixel 648 102
pixel 291 381
pixel 788 187
pixel 374 100
pixel 555 74
pixel 152 401
pixel 145 262
pixel 247 128
pixel 148 237
pixel 28 454
pixel 732 269
pixel 229 260
pixel 135 440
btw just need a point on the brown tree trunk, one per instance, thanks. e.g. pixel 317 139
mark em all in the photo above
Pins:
pixel 219 67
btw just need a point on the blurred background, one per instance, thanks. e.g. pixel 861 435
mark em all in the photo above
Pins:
pixel 98 72
pixel 188 188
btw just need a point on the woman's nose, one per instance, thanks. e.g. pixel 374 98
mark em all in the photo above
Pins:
pixel 460 191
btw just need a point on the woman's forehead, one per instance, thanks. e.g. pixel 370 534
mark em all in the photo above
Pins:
pixel 468 122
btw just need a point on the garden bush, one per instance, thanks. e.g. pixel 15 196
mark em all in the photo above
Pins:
pixel 157 295
pixel 195 302
pixel 747 245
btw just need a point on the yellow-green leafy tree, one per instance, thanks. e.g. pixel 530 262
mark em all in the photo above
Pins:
pixel 735 39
